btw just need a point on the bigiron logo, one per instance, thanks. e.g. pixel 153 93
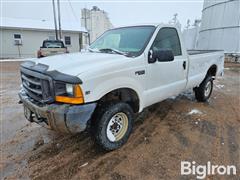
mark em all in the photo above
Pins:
pixel 201 171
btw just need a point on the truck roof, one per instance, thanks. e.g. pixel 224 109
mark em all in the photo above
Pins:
pixel 148 24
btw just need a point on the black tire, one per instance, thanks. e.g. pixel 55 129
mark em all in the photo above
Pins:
pixel 202 93
pixel 101 122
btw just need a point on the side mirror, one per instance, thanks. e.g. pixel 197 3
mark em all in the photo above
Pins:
pixel 162 55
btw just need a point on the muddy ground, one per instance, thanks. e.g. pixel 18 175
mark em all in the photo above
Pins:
pixel 165 134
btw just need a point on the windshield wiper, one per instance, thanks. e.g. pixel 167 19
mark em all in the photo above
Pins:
pixel 93 50
pixel 113 50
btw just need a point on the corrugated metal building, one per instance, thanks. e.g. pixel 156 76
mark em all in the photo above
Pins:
pixel 29 35
pixel 220 27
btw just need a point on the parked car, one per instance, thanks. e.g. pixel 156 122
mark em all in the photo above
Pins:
pixel 125 70
pixel 51 47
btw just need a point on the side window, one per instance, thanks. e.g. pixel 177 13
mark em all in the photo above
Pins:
pixel 67 40
pixel 167 38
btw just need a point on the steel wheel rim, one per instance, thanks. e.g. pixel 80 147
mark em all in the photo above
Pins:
pixel 117 127
pixel 208 89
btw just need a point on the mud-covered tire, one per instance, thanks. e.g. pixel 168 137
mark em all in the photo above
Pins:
pixel 103 118
pixel 204 90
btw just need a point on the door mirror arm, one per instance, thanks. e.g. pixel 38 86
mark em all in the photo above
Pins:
pixel 151 58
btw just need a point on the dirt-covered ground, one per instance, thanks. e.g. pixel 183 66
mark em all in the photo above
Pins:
pixel 165 134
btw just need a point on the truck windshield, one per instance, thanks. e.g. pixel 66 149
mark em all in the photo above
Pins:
pixel 128 40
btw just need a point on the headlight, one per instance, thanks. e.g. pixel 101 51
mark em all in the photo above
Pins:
pixel 70 89
pixel 73 95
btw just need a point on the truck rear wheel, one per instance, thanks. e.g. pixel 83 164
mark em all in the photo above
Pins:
pixel 113 125
pixel 204 91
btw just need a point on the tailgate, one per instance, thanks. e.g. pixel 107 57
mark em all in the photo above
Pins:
pixel 52 51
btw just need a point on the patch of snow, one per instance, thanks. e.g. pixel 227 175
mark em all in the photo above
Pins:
pixel 194 111
pixel 219 86
pixel 187 94
pixel 2 91
pixel 173 97
pixel 11 60
pixel 85 164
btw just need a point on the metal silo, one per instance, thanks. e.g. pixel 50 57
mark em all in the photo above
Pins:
pixel 220 27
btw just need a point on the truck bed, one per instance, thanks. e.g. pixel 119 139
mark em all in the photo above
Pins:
pixel 199 63
pixel 196 51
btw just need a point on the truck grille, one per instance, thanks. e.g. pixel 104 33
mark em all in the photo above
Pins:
pixel 36 85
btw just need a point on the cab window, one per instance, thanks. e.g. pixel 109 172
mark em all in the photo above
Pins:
pixel 167 38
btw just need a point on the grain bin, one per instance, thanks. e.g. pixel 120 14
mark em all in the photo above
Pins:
pixel 220 27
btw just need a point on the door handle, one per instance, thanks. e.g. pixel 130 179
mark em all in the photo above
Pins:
pixel 184 64
pixel 141 72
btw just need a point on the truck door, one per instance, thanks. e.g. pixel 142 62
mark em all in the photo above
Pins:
pixel 166 78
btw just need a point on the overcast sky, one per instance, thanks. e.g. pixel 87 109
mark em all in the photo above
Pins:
pixel 121 12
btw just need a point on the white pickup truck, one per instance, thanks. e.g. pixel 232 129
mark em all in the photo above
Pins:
pixel 124 71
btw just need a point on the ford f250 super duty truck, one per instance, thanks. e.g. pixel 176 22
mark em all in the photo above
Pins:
pixel 124 71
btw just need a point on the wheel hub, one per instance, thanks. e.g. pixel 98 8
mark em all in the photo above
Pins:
pixel 117 127
pixel 208 89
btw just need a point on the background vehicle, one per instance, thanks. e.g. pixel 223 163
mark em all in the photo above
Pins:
pixel 126 70
pixel 51 47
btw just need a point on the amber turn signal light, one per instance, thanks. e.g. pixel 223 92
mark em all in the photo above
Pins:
pixel 76 99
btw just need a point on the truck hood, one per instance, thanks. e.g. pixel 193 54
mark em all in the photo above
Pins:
pixel 76 63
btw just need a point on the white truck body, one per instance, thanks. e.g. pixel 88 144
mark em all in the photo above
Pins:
pixel 103 73
pixel 104 87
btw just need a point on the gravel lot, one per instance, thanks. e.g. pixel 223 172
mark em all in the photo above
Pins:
pixel 165 134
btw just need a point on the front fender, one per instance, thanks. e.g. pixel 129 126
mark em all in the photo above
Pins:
pixel 109 85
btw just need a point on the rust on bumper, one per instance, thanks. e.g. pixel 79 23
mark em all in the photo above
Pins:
pixel 59 117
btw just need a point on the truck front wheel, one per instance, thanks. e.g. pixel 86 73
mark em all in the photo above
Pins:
pixel 113 125
pixel 204 91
